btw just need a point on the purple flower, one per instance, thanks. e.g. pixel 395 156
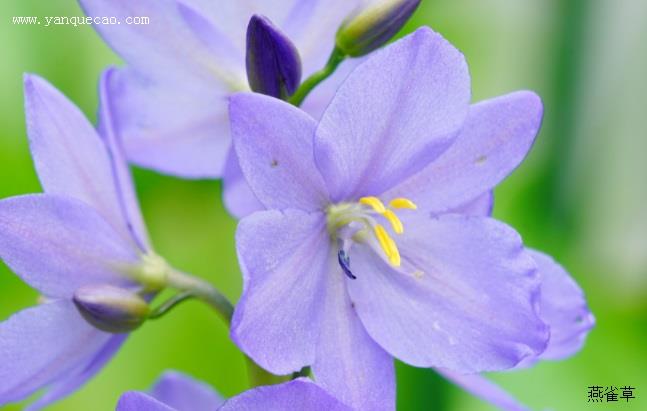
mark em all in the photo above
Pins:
pixel 86 230
pixel 327 284
pixel 170 102
pixel 176 391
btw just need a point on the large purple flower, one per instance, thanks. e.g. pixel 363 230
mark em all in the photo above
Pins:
pixel 85 230
pixel 170 102
pixel 178 392
pixel 328 285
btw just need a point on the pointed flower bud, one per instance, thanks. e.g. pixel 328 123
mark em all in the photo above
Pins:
pixel 111 309
pixel 273 62
pixel 373 26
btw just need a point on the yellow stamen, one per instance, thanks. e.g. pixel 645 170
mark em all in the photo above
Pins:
pixel 387 244
pixel 394 258
pixel 374 203
pixel 394 220
pixel 402 202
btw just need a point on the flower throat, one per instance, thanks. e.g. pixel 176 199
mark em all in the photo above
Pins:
pixel 357 222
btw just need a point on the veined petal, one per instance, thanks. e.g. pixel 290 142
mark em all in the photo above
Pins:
pixel 69 156
pixel 495 139
pixel 238 197
pixel 128 202
pixel 465 298
pixel 183 392
pixel 394 113
pixel 58 244
pixel 177 127
pixel 284 258
pixel 74 380
pixel 298 395
pixel 41 345
pixel 349 364
pixel 563 307
pixel 139 401
pixel 273 142
pixel 485 389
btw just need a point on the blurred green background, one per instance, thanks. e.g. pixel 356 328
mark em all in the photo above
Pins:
pixel 580 196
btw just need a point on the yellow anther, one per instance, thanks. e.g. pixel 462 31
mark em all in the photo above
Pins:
pixel 394 220
pixel 374 203
pixel 402 202
pixel 387 244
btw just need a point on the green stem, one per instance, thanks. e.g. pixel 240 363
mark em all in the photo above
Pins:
pixel 195 287
pixel 336 57
pixel 203 291
pixel 169 304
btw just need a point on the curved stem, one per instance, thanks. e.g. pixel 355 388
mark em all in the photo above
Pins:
pixel 203 291
pixel 336 57
pixel 169 304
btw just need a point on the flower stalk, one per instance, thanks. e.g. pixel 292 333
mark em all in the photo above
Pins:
pixel 336 57
pixel 203 291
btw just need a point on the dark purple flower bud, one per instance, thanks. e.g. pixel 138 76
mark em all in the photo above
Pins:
pixel 371 27
pixel 273 62
pixel 111 309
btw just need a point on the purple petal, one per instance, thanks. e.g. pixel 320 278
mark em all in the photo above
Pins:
pixel 272 61
pixel 74 380
pixel 177 127
pixel 129 204
pixel 284 259
pixel 69 156
pixel 238 197
pixel 349 364
pixel 139 401
pixel 481 206
pixel 185 393
pixel 495 139
pixel 226 57
pixel 178 39
pixel 298 395
pixel 58 244
pixel 395 113
pixel 465 298
pixel 273 142
pixel 43 344
pixel 563 307
pixel 485 389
